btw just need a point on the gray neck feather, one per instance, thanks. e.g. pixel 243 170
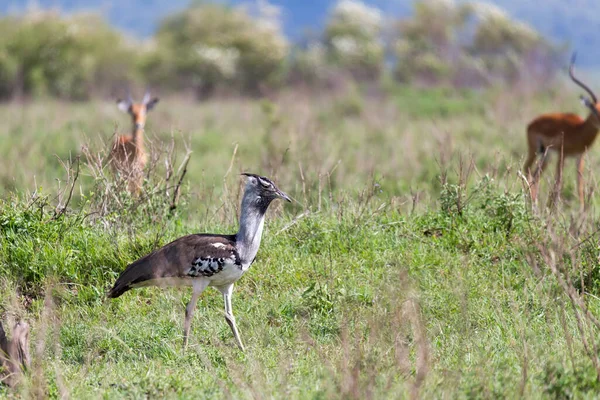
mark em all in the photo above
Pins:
pixel 252 220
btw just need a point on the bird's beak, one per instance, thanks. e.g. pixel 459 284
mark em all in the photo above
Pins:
pixel 283 195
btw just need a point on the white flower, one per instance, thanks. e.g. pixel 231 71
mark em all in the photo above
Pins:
pixel 268 21
pixel 491 14
pixel 488 11
pixel 345 45
pixel 223 59
pixel 355 12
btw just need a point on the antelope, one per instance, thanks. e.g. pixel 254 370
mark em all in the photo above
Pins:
pixel 565 133
pixel 128 155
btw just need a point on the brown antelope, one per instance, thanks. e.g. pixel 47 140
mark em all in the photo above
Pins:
pixel 128 155
pixel 567 134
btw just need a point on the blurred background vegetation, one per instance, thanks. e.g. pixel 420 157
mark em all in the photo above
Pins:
pixel 211 48
pixel 397 126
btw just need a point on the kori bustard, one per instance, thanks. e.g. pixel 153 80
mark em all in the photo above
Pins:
pixel 203 260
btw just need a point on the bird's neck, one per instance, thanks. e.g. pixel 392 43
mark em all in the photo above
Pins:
pixel 252 221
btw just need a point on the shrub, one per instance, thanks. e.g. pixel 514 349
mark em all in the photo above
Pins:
pixel 468 44
pixel 211 45
pixel 353 38
pixel 42 53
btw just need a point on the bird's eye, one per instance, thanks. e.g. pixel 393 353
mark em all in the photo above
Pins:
pixel 265 183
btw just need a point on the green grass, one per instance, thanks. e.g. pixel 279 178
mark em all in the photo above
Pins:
pixel 383 280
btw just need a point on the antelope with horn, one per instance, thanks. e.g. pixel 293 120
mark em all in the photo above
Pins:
pixel 128 155
pixel 567 134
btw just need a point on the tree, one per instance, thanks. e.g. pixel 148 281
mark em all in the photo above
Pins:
pixel 467 43
pixel 504 47
pixel 43 53
pixel 428 47
pixel 210 45
pixel 353 38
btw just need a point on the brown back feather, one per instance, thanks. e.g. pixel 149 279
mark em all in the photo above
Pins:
pixel 172 260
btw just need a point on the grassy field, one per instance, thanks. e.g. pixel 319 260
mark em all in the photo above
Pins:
pixel 409 266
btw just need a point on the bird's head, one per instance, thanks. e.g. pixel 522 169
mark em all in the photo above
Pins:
pixel 262 189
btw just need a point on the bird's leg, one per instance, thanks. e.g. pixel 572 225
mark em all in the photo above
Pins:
pixel 197 289
pixel 227 291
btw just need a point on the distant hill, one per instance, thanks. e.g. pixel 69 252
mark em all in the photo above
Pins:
pixel 574 22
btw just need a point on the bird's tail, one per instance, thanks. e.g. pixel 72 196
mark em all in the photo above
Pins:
pixel 134 275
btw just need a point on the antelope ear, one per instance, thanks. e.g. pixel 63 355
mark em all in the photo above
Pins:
pixel 150 104
pixel 123 105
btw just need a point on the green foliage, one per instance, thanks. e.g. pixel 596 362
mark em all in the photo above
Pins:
pixel 579 381
pixel 438 102
pixel 309 65
pixel 382 277
pixel 353 38
pixel 351 104
pixel 505 213
pixel 38 248
pixel 43 53
pixel 323 299
pixel 425 38
pixel 211 45
pixel 501 45
pixel 468 44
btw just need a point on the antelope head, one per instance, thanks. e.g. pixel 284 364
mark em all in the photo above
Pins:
pixel 591 102
pixel 138 111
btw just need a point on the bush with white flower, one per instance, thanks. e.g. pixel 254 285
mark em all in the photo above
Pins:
pixel 211 45
pixel 475 43
pixel 44 53
pixel 353 37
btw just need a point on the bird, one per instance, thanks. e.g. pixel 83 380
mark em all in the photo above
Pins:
pixel 128 155
pixel 203 260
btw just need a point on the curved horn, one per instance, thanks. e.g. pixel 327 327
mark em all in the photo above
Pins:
pixel 578 82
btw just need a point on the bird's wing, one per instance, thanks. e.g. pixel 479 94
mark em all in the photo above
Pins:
pixel 187 257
